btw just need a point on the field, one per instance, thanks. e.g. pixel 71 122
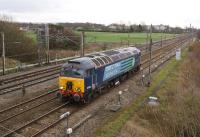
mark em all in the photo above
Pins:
pixel 99 37
pixel 108 37
pixel 31 35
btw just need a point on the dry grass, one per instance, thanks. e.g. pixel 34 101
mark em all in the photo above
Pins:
pixel 64 53
pixel 137 127
pixel 115 125
pixel 95 47
pixel 9 63
pixel 178 114
pixel 59 54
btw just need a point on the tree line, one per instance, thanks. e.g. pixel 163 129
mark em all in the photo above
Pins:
pixel 123 28
pixel 17 44
pixel 21 47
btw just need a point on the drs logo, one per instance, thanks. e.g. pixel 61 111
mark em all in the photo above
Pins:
pixel 118 68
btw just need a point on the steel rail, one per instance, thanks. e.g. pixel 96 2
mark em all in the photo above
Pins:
pixel 34 120
pixel 30 100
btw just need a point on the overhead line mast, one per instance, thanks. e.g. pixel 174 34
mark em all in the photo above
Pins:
pixel 150 55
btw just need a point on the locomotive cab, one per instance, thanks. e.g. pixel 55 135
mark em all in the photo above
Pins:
pixel 71 83
pixel 74 76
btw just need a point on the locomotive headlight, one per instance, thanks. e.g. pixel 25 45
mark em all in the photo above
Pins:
pixel 61 88
pixel 78 90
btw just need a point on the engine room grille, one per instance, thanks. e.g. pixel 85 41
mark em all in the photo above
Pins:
pixel 96 62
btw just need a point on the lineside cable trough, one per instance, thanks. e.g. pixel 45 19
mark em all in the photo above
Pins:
pixel 153 101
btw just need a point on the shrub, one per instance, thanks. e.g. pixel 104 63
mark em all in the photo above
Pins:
pixel 178 114
pixel 25 50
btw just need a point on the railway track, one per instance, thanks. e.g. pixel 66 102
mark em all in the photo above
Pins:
pixel 155 60
pixel 25 103
pixel 11 84
pixel 32 108
pixel 158 56
pixel 171 47
pixel 143 62
pixel 28 75
pixel 159 62
pixel 35 120
pixel 54 113
pixel 15 112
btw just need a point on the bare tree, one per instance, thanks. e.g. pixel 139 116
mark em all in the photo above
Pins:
pixel 25 50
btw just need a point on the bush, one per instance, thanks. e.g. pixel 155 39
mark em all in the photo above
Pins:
pixel 178 114
pixel 25 50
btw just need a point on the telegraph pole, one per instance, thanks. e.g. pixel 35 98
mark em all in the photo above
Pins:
pixel 147 38
pixel 82 43
pixel 150 56
pixel 3 53
pixel 39 41
pixel 47 42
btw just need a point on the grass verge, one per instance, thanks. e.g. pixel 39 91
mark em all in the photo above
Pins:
pixel 113 125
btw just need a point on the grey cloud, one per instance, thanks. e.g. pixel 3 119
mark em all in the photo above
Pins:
pixel 26 5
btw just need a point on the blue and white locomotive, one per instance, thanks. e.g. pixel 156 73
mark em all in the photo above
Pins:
pixel 83 77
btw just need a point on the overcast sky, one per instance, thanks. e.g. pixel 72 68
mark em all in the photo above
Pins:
pixel 172 12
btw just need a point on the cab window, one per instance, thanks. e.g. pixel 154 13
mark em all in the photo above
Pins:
pixel 72 72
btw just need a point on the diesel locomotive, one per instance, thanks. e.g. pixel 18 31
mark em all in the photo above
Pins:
pixel 83 77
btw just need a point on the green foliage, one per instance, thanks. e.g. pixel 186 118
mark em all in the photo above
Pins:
pixel 32 36
pixel 17 44
pixel 118 37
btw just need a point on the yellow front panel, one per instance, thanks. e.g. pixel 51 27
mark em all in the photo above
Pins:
pixel 76 83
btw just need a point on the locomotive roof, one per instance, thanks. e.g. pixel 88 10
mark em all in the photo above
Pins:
pixel 103 58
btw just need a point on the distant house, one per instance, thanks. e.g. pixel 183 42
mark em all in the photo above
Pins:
pixel 118 27
pixel 79 28
pixel 24 28
pixel 160 27
pixel 113 27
